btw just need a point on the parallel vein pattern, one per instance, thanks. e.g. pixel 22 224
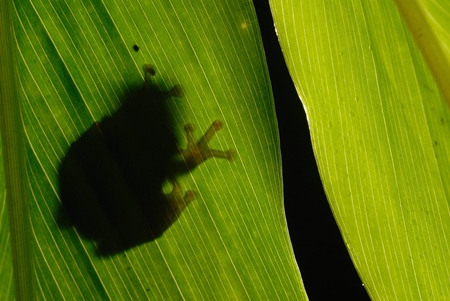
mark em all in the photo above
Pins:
pixel 380 134
pixel 76 63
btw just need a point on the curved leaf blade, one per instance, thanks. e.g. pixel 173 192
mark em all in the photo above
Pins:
pixel 380 133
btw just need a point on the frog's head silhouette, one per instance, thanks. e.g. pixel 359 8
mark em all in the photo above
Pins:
pixel 111 178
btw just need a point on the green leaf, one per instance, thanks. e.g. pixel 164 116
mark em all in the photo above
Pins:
pixel 76 63
pixel 17 251
pixel 380 131
pixel 6 275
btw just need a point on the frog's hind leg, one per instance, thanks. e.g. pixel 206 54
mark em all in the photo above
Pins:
pixel 177 202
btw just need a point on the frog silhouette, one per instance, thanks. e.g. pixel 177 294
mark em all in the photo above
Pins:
pixel 111 179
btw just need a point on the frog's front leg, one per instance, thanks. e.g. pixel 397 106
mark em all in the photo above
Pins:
pixel 198 152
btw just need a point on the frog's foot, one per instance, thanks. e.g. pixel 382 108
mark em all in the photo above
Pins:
pixel 177 202
pixel 198 152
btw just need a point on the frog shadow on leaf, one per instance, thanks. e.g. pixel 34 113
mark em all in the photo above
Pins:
pixel 111 178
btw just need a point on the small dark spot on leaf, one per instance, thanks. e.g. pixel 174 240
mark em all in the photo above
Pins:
pixel 136 48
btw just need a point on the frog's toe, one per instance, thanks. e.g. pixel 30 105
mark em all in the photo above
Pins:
pixel 189 196
pixel 217 124
pixel 149 69
pixel 215 153
pixel 177 91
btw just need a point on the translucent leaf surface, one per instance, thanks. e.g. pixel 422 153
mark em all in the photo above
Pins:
pixel 76 62
pixel 6 275
pixel 380 131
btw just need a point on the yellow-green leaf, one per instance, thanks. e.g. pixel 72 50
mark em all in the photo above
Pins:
pixel 380 132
